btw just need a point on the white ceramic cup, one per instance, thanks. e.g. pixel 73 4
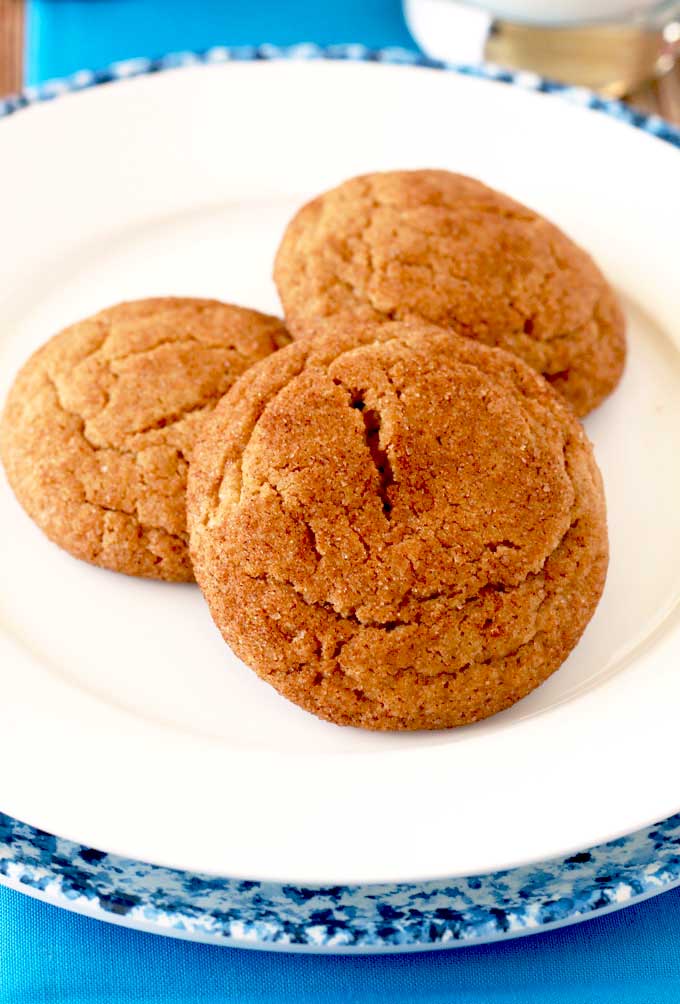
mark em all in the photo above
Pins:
pixel 571 12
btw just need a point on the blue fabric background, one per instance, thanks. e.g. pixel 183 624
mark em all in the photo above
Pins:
pixel 48 955
pixel 67 35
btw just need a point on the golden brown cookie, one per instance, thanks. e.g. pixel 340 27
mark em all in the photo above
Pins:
pixel 100 423
pixel 397 527
pixel 445 248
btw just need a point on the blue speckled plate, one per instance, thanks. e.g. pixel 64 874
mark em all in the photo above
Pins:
pixel 167 754
pixel 369 918
pixel 652 124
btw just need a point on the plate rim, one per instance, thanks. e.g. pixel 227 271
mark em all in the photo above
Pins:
pixel 85 79
pixel 652 125
pixel 357 920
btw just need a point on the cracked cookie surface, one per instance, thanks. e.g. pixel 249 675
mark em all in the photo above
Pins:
pixel 444 248
pixel 100 423
pixel 397 527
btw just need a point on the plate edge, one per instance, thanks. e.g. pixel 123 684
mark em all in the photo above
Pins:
pixel 85 79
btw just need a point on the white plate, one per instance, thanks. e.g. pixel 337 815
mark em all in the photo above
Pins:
pixel 125 723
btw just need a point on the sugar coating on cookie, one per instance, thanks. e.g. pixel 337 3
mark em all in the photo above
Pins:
pixel 101 421
pixel 397 527
pixel 444 248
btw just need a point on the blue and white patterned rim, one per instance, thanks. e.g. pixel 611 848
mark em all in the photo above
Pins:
pixel 366 918
pixel 370 918
pixel 84 79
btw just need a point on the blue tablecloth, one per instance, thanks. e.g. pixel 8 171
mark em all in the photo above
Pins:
pixel 67 35
pixel 49 955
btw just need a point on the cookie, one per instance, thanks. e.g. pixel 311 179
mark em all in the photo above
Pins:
pixel 397 527
pixel 100 424
pixel 446 249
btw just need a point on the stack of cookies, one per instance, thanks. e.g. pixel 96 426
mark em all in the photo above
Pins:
pixel 389 503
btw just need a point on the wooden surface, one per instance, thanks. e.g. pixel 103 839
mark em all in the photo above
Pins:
pixel 662 96
pixel 11 45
